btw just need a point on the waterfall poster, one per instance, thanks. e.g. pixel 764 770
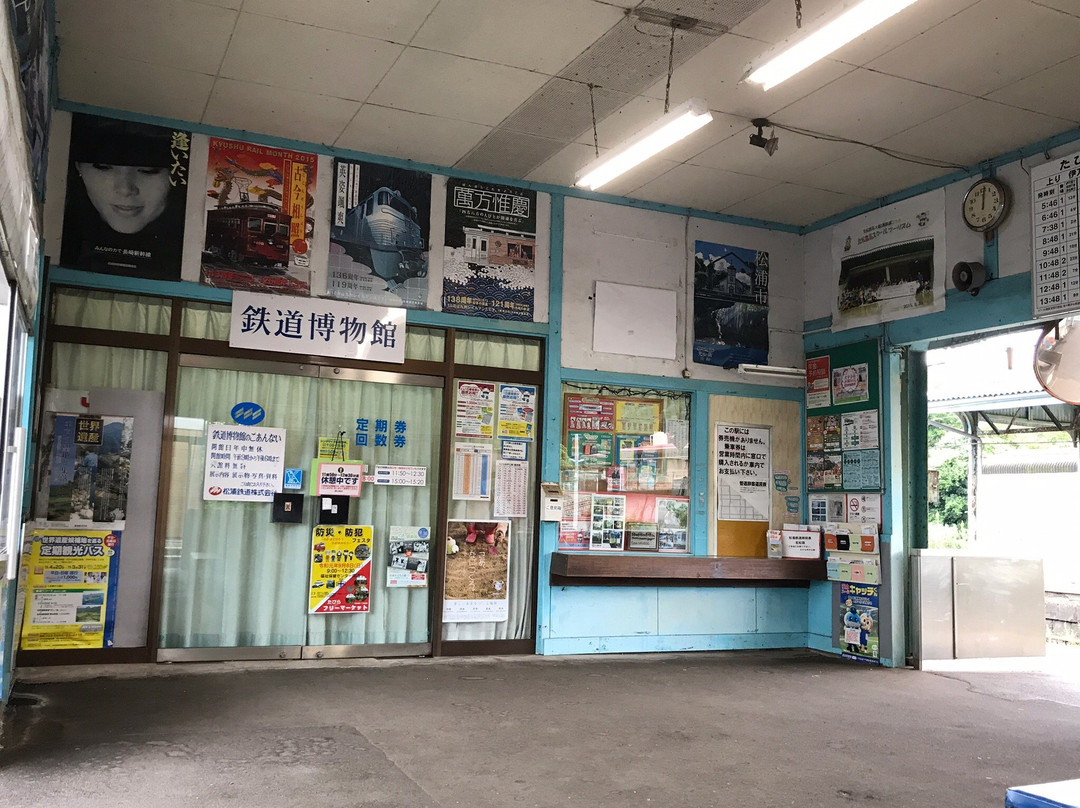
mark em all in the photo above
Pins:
pixel 731 305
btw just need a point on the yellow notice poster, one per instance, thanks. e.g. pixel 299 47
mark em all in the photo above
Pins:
pixel 71 583
pixel 333 449
pixel 340 569
pixel 637 417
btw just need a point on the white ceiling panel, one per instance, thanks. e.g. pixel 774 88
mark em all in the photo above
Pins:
pixel 522 33
pixel 776 21
pixel 794 204
pixel 272 110
pixel 1068 6
pixel 796 155
pixel 908 24
pixel 1032 37
pixel 300 57
pixel 454 82
pixel 868 106
pixel 976 131
pixel 118 83
pixel 409 135
pixel 699 187
pixel 563 166
pixel 395 21
pixel 868 172
pixel 1054 91
pixel 173 33
pixel 454 87
pixel 716 73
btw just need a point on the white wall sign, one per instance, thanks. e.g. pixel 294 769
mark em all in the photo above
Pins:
pixel 743 473
pixel 243 463
pixel 635 320
pixel 317 326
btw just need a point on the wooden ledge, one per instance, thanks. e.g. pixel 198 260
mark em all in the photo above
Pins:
pixel 618 569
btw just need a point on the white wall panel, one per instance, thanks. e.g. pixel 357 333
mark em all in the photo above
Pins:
pixel 605 242
pixel 819 290
pixel 1014 236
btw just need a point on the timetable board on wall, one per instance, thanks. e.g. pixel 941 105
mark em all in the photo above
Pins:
pixel 843 419
pixel 1055 232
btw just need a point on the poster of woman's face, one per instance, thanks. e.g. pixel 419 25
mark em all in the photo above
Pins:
pixel 126 194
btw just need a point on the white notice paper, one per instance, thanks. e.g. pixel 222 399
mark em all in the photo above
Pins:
pixel 243 463
pixel 472 471
pixel 511 488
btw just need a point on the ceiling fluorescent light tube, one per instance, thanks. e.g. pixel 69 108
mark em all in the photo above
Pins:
pixel 684 120
pixel 776 371
pixel 829 33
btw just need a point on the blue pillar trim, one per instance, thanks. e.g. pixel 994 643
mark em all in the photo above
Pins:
pixel 549 465
pixel 700 444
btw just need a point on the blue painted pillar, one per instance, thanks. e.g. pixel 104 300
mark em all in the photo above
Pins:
pixel 549 465
pixel 894 555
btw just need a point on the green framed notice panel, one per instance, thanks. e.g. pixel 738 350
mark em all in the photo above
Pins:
pixel 843 419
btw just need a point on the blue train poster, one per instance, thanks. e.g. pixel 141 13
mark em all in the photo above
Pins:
pixel 380 235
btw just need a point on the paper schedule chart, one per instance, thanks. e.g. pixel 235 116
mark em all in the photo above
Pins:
pixel 1055 232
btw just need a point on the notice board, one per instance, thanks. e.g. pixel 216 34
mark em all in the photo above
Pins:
pixel 843 419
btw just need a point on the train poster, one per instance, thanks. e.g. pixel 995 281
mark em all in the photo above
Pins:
pixel 259 218
pixel 490 253
pixel 126 194
pixel 380 235
pixel 731 305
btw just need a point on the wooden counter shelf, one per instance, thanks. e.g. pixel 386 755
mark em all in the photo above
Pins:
pixel 619 569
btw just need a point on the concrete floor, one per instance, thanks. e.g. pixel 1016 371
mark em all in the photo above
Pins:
pixel 685 730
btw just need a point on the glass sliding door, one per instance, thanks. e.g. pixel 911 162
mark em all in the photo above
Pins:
pixel 395 419
pixel 238 583
pixel 231 577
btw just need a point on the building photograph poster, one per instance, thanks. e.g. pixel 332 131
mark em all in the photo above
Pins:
pixel 731 305
pixel 490 250
pixel 477 583
pixel 127 187
pixel 379 235
pixel 71 583
pixel 890 263
pixel 259 218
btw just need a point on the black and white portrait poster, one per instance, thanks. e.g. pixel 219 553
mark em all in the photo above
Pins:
pixel 490 255
pixel 731 305
pixel 380 235
pixel 890 263
pixel 126 191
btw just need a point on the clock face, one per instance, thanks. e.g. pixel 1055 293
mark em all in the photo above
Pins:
pixel 985 205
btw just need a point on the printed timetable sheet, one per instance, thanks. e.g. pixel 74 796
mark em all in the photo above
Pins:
pixel 1056 237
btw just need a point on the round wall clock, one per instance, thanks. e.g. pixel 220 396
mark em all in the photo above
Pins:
pixel 985 205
